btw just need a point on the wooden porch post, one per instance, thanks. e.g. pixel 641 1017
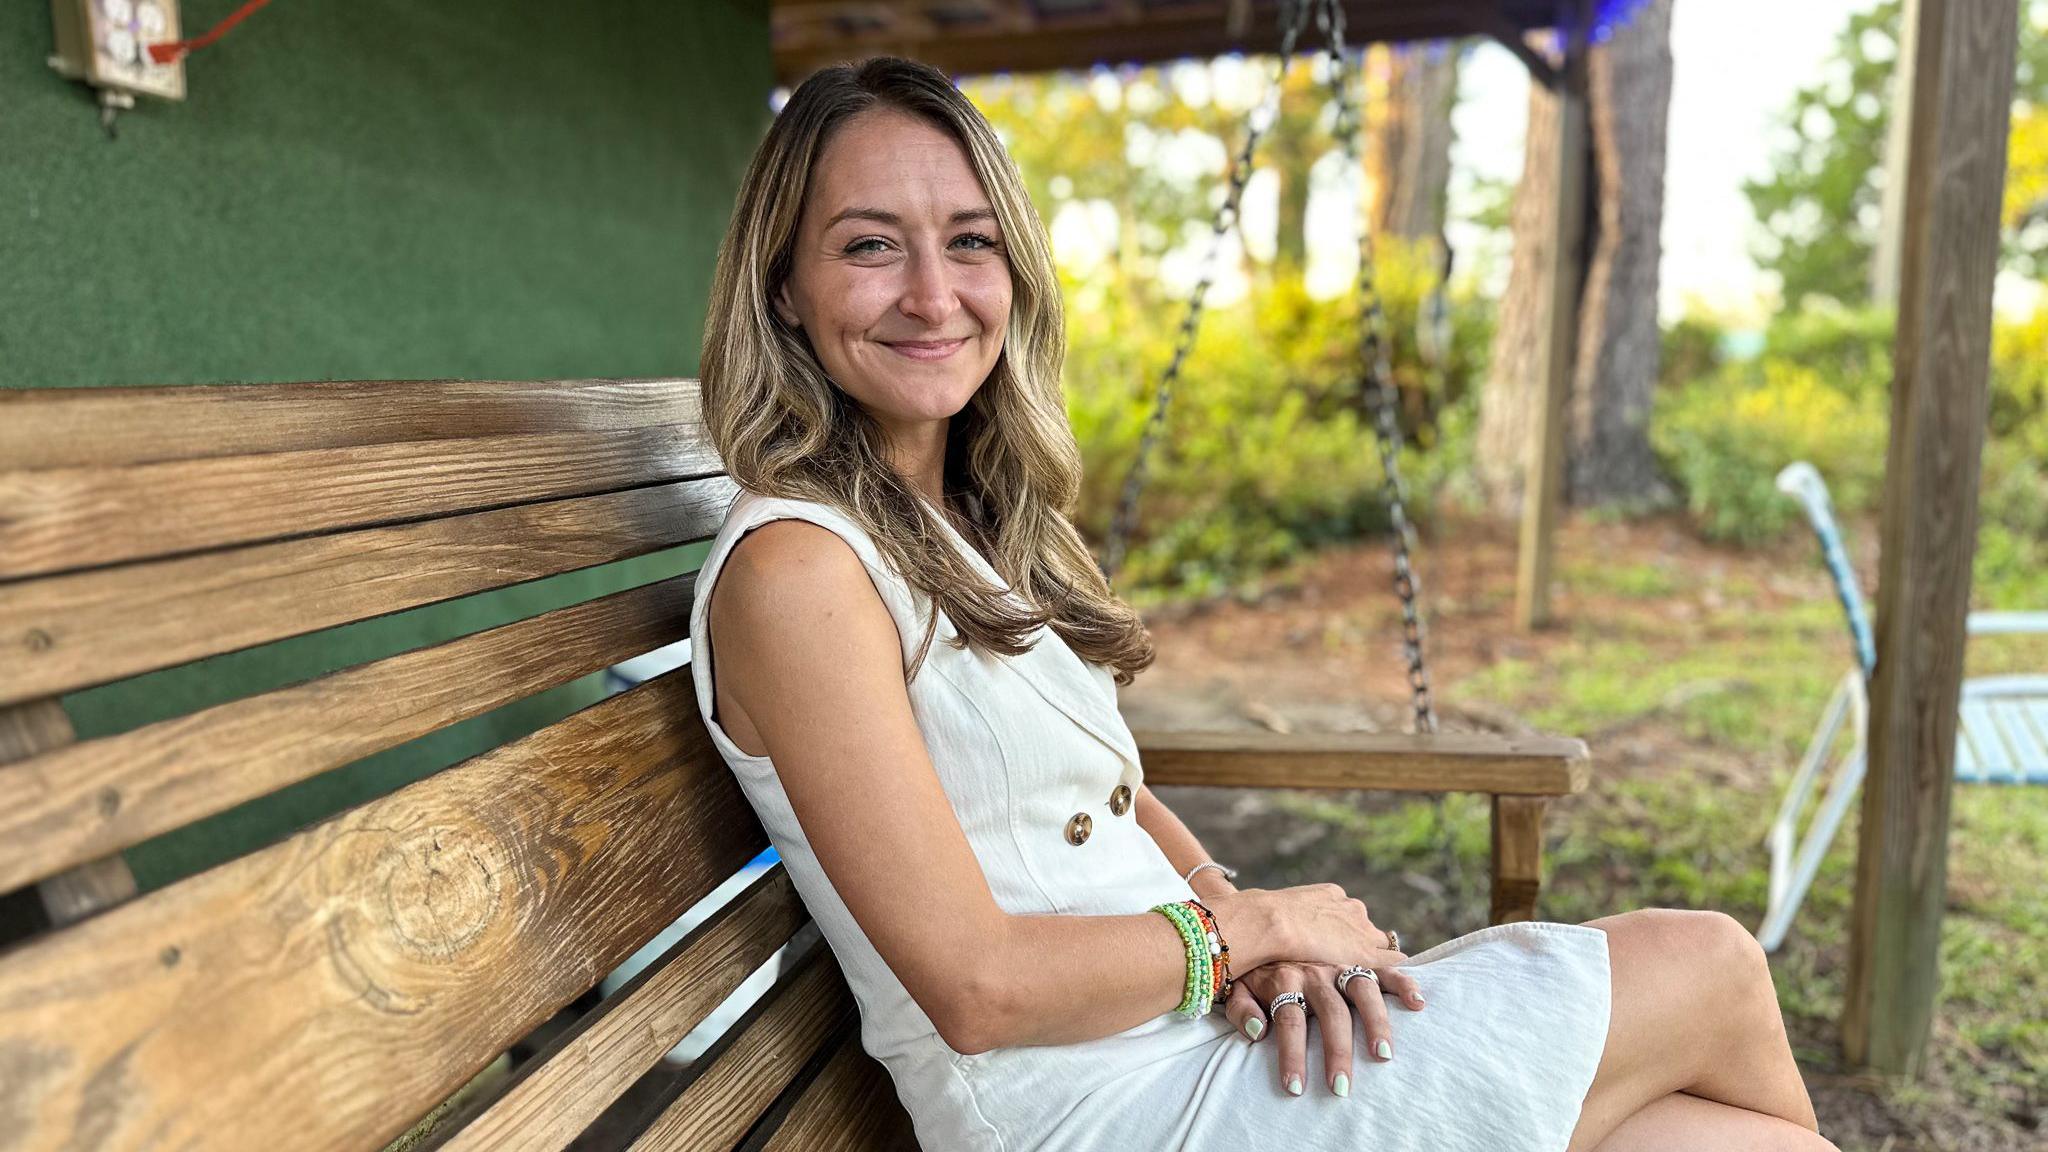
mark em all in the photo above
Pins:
pixel 1961 53
pixel 1543 474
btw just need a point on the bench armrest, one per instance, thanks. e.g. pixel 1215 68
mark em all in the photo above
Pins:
pixel 1451 762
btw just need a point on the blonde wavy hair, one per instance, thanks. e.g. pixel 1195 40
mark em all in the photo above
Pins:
pixel 785 429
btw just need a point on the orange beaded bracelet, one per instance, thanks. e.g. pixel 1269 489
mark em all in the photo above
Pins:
pixel 1219 948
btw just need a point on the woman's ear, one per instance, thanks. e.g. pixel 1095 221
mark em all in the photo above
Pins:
pixel 782 307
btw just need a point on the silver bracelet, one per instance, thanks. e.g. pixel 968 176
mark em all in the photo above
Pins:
pixel 1228 873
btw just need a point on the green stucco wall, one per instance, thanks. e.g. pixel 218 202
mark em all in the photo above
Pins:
pixel 515 189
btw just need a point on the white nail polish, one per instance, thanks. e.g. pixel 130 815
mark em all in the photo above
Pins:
pixel 1341 1085
pixel 1383 1050
pixel 1294 1085
pixel 1254 1027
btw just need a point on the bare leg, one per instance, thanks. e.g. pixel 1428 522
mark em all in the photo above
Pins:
pixel 1694 1011
pixel 1682 1123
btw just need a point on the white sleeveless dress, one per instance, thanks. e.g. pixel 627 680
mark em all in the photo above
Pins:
pixel 1499 1060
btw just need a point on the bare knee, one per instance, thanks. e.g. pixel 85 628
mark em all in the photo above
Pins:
pixel 1709 969
pixel 1711 945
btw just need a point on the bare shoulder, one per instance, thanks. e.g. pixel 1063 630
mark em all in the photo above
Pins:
pixel 802 637
pixel 792 590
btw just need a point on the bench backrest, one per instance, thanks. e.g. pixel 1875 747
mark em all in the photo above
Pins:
pixel 329 990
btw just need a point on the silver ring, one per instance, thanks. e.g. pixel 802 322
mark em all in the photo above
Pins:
pixel 1345 976
pixel 1286 998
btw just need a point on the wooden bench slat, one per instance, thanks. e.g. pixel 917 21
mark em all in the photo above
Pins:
pixel 851 1107
pixel 327 991
pixel 68 518
pixel 62 633
pixel 1449 762
pixel 85 801
pixel 568 1085
pixel 806 1010
pixel 32 729
pixel 80 427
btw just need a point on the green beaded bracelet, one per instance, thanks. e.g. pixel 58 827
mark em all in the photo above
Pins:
pixel 1200 975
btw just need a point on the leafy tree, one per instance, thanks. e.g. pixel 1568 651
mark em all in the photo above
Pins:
pixel 1821 207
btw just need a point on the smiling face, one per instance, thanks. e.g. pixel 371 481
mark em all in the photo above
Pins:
pixel 899 277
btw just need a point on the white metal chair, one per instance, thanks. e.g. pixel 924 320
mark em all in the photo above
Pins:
pixel 2001 734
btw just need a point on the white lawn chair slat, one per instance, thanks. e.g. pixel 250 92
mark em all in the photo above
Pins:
pixel 1994 759
pixel 2011 717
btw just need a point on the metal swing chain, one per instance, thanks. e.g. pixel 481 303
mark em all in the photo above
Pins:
pixel 1379 389
pixel 1240 172
pixel 1381 395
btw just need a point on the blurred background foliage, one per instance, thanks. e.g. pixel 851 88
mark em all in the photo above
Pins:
pixel 1268 453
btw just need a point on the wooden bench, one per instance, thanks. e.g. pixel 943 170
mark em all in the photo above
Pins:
pixel 329 990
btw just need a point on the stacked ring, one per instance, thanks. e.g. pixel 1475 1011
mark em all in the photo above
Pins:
pixel 1346 975
pixel 1286 998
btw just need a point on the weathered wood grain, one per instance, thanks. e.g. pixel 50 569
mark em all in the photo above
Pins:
pixel 59 519
pixel 79 802
pixel 1517 857
pixel 114 427
pixel 327 991
pixel 805 1011
pixel 567 1086
pixel 28 730
pixel 61 633
pixel 850 1107
pixel 1450 762
pixel 1543 475
pixel 1962 55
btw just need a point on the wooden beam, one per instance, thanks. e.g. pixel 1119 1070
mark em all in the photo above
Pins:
pixel 1489 21
pixel 1448 762
pixel 1543 474
pixel 1517 857
pixel 1962 54
pixel 806 39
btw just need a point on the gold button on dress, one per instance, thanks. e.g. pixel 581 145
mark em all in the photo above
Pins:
pixel 1079 827
pixel 1120 800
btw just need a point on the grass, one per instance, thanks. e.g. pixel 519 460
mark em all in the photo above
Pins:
pixel 1698 693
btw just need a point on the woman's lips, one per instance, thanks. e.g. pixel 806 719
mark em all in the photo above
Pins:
pixel 925 349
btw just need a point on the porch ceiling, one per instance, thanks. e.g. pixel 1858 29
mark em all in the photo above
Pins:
pixel 976 36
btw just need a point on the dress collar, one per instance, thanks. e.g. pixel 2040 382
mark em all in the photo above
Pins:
pixel 1085 693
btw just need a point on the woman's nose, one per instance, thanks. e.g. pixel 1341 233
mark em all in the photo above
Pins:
pixel 930 294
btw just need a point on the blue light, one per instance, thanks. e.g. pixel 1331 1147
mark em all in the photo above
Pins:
pixel 1610 15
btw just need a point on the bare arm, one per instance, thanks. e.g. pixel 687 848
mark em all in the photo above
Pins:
pixel 1182 850
pixel 808 651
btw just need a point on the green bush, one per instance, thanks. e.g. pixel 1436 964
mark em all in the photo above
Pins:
pixel 1725 437
pixel 1821 392
pixel 1268 449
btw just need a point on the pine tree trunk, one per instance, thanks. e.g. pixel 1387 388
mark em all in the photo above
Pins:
pixel 1413 144
pixel 1608 455
pixel 1609 459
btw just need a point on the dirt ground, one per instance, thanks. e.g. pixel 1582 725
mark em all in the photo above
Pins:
pixel 1320 651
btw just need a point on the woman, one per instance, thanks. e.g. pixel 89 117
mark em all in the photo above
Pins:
pixel 917 664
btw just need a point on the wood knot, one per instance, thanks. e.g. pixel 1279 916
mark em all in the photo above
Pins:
pixel 39 640
pixel 442 888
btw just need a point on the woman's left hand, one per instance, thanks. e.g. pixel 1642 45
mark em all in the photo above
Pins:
pixel 1255 989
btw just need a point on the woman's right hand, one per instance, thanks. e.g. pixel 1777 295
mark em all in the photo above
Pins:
pixel 1306 924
